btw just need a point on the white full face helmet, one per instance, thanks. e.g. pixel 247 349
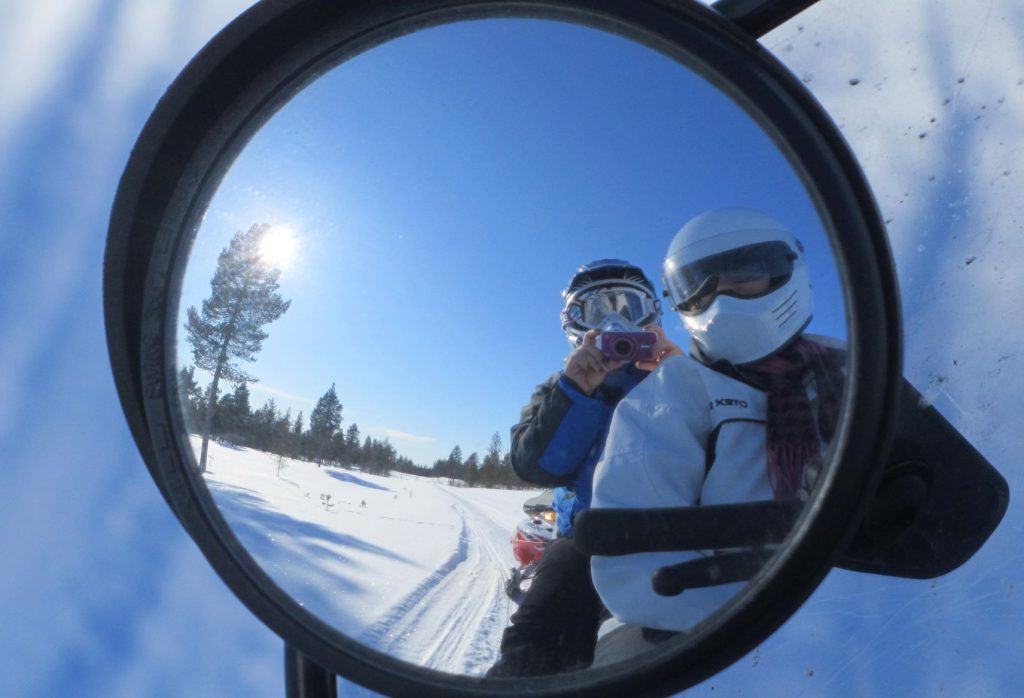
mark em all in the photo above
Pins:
pixel 740 282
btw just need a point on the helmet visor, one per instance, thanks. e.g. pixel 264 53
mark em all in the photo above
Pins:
pixel 592 308
pixel 745 272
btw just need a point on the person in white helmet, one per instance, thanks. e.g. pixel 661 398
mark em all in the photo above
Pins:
pixel 735 421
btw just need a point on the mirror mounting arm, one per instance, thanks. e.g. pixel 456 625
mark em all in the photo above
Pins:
pixel 304 678
pixel 758 17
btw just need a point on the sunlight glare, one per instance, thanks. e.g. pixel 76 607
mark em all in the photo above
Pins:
pixel 279 247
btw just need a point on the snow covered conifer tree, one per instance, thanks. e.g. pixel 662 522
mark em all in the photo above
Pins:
pixel 229 328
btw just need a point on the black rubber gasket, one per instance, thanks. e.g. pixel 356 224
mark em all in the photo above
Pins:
pixel 250 69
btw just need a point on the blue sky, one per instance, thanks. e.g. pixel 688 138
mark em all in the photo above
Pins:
pixel 443 187
pixel 102 593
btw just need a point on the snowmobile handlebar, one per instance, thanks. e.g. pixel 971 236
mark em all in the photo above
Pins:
pixel 723 568
pixel 615 532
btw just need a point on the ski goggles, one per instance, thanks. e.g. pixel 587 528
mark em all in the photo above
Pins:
pixel 591 308
pixel 695 286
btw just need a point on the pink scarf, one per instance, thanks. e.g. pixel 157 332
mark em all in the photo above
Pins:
pixel 793 438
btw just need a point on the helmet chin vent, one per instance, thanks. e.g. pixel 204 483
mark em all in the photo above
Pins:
pixel 787 309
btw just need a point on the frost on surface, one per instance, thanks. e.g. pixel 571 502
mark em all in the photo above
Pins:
pixel 930 97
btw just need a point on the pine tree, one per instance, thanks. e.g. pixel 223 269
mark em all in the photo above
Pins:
pixel 190 396
pixel 389 457
pixel 261 427
pixel 337 451
pixel 296 436
pixel 490 469
pixel 366 452
pixel 471 468
pixel 229 329
pixel 507 474
pixel 234 415
pixel 352 444
pixel 281 439
pixel 452 466
pixel 323 422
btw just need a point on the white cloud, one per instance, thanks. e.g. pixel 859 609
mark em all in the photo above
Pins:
pixel 403 435
pixel 278 392
pixel 37 41
pixel 75 184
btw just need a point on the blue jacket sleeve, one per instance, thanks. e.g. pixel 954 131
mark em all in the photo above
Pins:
pixel 556 432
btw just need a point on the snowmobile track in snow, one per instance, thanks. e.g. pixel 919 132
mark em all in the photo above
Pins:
pixel 454 618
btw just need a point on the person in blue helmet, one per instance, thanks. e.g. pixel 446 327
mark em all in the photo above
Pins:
pixel 557 443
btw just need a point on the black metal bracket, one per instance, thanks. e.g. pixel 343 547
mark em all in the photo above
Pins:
pixel 304 678
pixel 758 17
pixel 723 568
pixel 709 527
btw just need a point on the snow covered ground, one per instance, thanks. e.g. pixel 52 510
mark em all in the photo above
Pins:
pixel 410 565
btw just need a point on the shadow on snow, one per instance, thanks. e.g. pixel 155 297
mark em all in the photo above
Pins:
pixel 353 480
pixel 290 550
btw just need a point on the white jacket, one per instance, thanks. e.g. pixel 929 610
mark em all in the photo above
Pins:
pixel 656 456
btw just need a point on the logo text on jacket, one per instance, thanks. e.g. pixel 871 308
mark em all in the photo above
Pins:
pixel 726 402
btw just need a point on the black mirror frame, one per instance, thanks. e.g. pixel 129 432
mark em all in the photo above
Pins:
pixel 274 49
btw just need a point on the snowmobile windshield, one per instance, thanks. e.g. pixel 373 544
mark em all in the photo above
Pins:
pixel 745 272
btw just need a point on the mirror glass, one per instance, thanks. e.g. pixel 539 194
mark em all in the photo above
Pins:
pixel 387 255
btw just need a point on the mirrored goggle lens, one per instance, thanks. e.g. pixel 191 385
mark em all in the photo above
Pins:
pixel 596 306
pixel 700 282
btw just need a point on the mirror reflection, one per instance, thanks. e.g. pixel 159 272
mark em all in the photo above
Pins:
pixel 373 358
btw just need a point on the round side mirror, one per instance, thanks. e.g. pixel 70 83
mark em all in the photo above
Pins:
pixel 359 137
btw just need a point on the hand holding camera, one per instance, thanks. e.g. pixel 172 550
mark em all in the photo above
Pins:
pixel 622 341
pixel 586 366
pixel 662 349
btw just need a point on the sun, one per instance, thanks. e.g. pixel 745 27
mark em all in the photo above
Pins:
pixel 279 247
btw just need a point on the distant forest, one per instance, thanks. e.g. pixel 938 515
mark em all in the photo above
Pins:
pixel 324 441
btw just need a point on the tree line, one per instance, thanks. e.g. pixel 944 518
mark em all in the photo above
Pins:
pixel 267 429
pixel 493 470
pixel 323 440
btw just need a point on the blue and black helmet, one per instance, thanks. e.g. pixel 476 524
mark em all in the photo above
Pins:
pixel 604 286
